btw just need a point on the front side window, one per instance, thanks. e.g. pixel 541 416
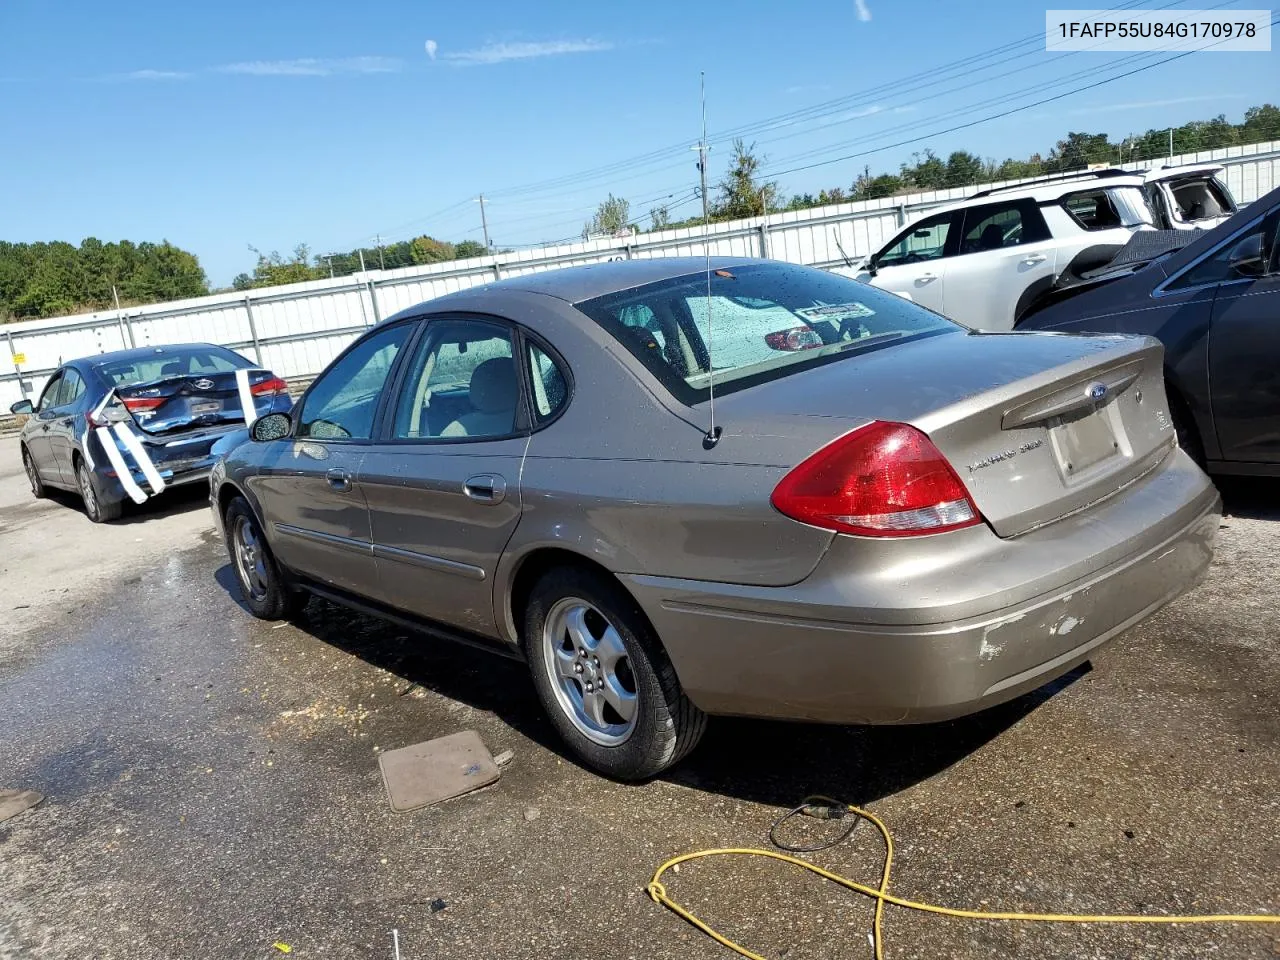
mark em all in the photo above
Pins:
pixel 49 396
pixel 760 322
pixel 999 225
pixel 341 404
pixel 1216 268
pixel 461 383
pixel 70 389
pixel 927 240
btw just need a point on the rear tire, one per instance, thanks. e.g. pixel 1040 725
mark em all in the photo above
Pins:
pixel 603 677
pixel 38 489
pixel 95 508
pixel 266 592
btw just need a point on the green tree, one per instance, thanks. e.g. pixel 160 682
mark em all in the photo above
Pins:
pixel 740 193
pixel 611 218
pixel 426 249
pixel 927 173
pixel 272 269
pixel 963 169
pixel 469 248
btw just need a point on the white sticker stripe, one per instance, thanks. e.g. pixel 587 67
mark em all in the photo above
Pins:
pixel 246 398
pixel 134 446
pixel 93 420
pixel 122 471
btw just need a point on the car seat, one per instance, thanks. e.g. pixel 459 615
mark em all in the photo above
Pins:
pixel 174 368
pixel 493 393
pixel 992 237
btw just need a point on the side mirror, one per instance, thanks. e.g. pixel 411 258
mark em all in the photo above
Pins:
pixel 22 406
pixel 274 426
pixel 1246 258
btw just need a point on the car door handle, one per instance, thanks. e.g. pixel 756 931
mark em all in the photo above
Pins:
pixel 1034 259
pixel 67 421
pixel 926 278
pixel 486 488
pixel 340 480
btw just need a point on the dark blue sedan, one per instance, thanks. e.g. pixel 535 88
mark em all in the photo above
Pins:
pixel 126 425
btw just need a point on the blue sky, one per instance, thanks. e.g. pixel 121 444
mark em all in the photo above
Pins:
pixel 219 125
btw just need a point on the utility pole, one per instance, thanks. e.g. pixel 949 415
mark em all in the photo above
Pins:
pixel 1171 143
pixel 382 263
pixel 328 258
pixel 361 252
pixel 484 224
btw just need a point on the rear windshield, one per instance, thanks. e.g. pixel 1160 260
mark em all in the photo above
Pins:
pixel 754 322
pixel 172 362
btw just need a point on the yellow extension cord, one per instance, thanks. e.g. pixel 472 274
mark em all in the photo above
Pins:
pixel 881 894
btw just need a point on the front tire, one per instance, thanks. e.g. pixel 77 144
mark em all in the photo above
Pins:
pixel 266 592
pixel 95 508
pixel 38 489
pixel 603 677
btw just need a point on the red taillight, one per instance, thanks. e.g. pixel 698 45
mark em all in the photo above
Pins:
pixel 270 388
pixel 881 480
pixel 797 338
pixel 143 404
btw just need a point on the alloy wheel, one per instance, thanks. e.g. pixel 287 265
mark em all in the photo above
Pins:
pixel 251 564
pixel 33 478
pixel 87 493
pixel 590 671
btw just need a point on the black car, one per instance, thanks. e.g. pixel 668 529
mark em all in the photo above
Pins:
pixel 1215 304
pixel 127 424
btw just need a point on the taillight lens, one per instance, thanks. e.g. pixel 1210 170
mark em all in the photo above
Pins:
pixel 797 338
pixel 269 388
pixel 142 404
pixel 881 480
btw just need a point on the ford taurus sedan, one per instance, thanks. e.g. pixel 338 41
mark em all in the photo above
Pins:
pixel 677 488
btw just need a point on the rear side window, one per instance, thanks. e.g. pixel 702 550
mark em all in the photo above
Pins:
pixel 1108 208
pixel 998 225
pixel 754 323
pixel 550 391
pixel 342 402
pixel 1201 199
pixel 926 240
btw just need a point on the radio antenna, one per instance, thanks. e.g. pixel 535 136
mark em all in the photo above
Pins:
pixel 713 433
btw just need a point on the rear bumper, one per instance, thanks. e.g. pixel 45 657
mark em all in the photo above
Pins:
pixel 179 460
pixel 1031 609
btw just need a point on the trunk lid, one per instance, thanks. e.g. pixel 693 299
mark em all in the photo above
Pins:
pixel 1036 425
pixel 194 400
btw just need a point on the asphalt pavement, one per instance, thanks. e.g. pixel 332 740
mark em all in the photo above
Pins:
pixel 213 789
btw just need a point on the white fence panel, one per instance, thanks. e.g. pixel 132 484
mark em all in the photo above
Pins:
pixel 296 330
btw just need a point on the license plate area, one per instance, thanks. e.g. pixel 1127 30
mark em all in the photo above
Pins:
pixel 202 408
pixel 1087 445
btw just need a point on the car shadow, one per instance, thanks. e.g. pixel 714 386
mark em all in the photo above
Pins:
pixel 763 761
pixel 1251 498
pixel 173 501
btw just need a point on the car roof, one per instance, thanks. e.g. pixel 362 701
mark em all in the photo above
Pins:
pixel 575 284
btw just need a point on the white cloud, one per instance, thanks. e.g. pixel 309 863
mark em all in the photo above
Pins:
pixel 864 12
pixel 526 50
pixel 312 67
pixel 1140 104
pixel 432 47
pixel 154 75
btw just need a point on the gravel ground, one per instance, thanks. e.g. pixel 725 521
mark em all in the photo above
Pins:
pixel 213 785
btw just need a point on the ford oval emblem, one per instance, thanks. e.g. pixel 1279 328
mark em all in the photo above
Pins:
pixel 1097 391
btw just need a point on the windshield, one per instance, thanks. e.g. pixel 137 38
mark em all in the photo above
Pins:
pixel 758 322
pixel 171 362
